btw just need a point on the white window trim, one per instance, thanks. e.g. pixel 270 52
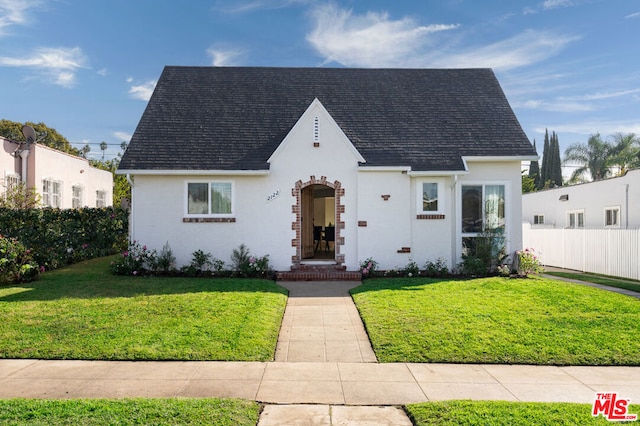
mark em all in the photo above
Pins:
pixel 81 197
pixel 441 195
pixel 10 176
pixel 210 181
pixel 616 208
pixel 104 199
pixel 50 195
pixel 576 212
pixel 507 212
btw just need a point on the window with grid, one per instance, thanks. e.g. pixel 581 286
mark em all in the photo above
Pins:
pixel 51 193
pixel 101 198
pixel 11 180
pixel 575 219
pixel 76 196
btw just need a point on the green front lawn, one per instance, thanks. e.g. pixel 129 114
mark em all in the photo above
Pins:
pixel 84 312
pixel 498 320
pixel 502 413
pixel 222 412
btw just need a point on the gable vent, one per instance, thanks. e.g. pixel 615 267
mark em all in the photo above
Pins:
pixel 316 129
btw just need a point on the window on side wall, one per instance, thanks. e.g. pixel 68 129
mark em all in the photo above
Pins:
pixel 430 198
pixel 11 180
pixel 51 193
pixel 213 199
pixel 612 217
pixel 575 219
pixel 483 210
pixel 538 219
pixel 77 196
pixel 101 198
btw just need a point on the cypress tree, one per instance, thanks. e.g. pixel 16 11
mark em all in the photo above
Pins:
pixel 544 171
pixel 534 169
pixel 555 170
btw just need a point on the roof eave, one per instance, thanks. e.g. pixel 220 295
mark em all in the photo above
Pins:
pixel 150 172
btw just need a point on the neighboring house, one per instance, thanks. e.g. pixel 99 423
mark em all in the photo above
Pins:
pixel 62 180
pixel 326 166
pixel 610 203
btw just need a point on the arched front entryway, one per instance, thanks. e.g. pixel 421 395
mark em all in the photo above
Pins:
pixel 318 222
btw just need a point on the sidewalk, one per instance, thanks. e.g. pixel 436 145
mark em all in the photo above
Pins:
pixel 312 383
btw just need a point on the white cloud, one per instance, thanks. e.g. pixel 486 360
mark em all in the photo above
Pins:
pixel 254 5
pixel 225 56
pixel 57 65
pixel 142 91
pixel 604 95
pixel 553 106
pixel 526 48
pixel 122 136
pixel 370 40
pixel 102 72
pixel 374 40
pixel 14 12
pixel 553 4
pixel 633 15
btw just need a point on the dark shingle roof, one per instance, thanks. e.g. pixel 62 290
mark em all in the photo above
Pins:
pixel 209 118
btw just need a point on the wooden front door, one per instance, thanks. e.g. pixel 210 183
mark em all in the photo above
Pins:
pixel 306 224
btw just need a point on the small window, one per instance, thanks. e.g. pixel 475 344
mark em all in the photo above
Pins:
pixel 538 219
pixel 11 180
pixel 430 196
pixel 575 219
pixel 210 198
pixel 612 216
pixel 51 193
pixel 101 198
pixel 76 197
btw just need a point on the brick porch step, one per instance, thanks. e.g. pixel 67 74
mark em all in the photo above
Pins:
pixel 319 275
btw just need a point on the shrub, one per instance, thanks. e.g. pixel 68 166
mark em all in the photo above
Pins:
pixel 368 268
pixel 165 261
pixel 412 269
pixel 136 260
pixel 528 262
pixel 16 264
pixel 437 268
pixel 247 265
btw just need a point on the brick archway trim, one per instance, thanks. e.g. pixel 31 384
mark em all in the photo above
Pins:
pixel 296 225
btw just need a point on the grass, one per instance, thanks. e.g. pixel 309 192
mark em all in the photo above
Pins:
pixel 498 320
pixel 129 412
pixel 497 413
pixel 599 279
pixel 84 312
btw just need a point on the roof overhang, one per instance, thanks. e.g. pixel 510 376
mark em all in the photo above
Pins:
pixel 193 172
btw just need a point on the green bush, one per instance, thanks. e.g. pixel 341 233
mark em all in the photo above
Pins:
pixel 61 237
pixel 136 260
pixel 16 264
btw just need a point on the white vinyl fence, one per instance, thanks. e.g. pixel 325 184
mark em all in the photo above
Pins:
pixel 609 251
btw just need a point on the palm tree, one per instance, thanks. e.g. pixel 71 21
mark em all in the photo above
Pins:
pixel 103 147
pixel 626 152
pixel 593 157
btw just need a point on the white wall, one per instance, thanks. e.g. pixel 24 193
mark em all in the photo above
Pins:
pixel 592 198
pixel 48 163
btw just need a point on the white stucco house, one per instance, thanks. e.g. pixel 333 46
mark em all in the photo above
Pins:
pixel 609 203
pixel 324 168
pixel 62 180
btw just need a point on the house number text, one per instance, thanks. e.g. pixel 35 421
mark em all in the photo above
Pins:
pixel 273 195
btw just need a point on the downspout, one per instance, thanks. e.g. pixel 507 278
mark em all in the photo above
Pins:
pixel 454 245
pixel 131 231
pixel 24 154
pixel 626 206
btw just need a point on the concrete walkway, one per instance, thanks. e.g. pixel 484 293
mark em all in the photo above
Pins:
pixel 321 324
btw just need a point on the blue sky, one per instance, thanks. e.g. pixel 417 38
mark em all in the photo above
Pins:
pixel 87 67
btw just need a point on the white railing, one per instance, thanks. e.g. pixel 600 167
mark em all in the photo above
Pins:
pixel 609 251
